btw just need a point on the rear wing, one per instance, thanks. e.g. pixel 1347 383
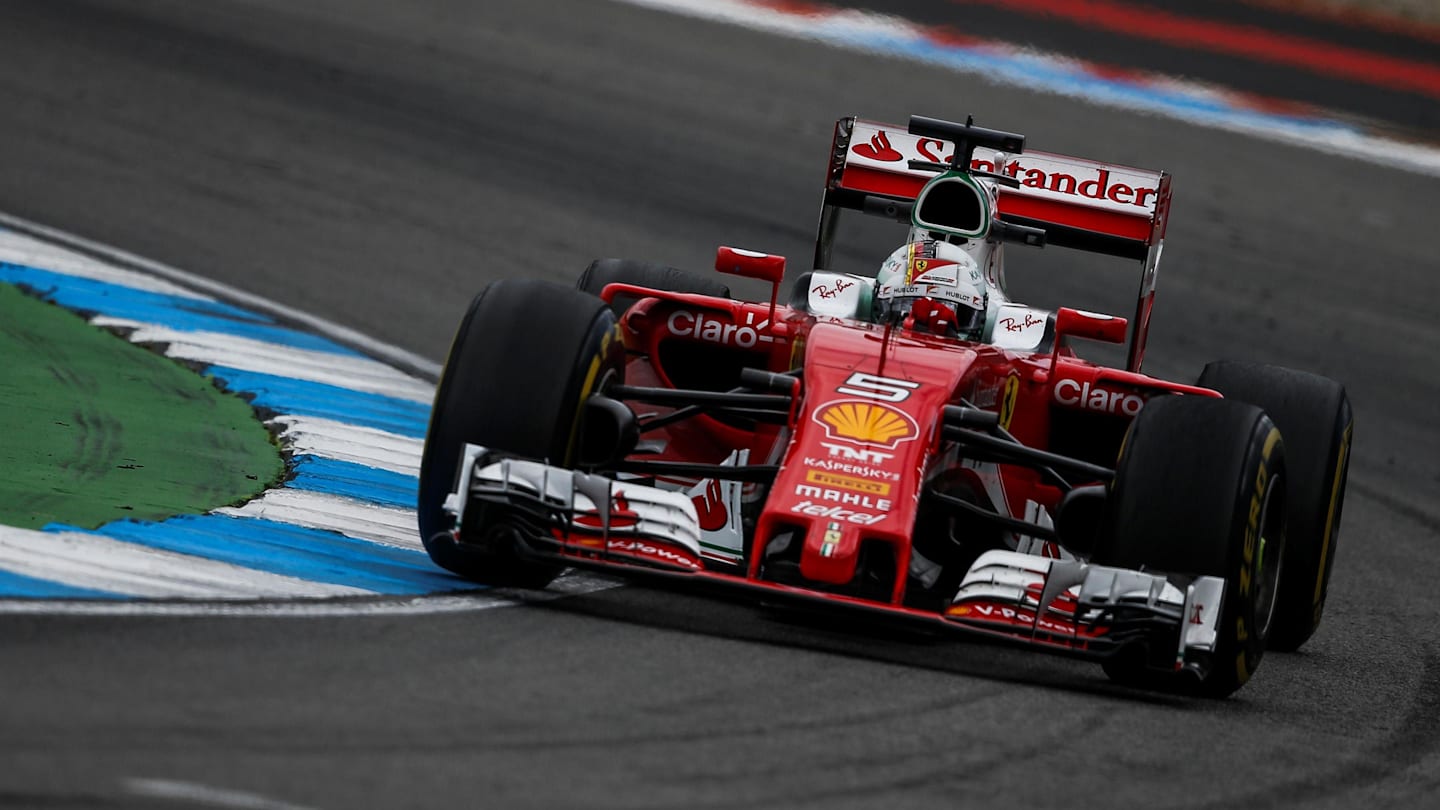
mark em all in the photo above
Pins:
pixel 1116 210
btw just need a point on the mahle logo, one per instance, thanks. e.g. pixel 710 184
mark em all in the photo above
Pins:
pixel 866 423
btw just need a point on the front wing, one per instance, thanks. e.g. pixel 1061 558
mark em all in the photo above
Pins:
pixel 1065 606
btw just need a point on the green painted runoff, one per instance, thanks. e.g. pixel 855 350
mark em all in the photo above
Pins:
pixel 94 428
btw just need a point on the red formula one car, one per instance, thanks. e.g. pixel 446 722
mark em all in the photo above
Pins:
pixel 913 444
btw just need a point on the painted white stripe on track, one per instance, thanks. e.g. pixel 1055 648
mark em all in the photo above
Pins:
pixel 100 563
pixel 317 510
pixel 130 262
pixel 17 248
pixel 194 793
pixel 571 584
pixel 360 445
pixel 248 354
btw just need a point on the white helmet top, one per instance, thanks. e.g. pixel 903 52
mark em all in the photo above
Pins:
pixel 935 286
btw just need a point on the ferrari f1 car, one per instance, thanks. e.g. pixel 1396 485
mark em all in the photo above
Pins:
pixel 836 450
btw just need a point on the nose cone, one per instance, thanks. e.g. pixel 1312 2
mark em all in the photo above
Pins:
pixel 855 466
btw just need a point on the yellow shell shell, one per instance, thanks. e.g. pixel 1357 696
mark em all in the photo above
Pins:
pixel 864 422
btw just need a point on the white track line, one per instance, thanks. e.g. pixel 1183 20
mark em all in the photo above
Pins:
pixel 91 561
pixel 247 354
pixel 17 248
pixel 396 356
pixel 318 510
pixel 362 445
pixel 194 793
pixel 571 584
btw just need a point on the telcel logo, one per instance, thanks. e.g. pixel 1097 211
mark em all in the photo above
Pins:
pixel 835 513
pixel 715 330
pixel 1076 394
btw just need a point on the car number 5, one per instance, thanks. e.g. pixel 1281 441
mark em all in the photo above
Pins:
pixel 885 389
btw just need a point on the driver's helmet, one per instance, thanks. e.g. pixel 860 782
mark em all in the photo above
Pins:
pixel 933 287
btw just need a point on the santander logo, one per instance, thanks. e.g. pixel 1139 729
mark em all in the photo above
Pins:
pixel 1038 173
pixel 879 148
pixel 1098 187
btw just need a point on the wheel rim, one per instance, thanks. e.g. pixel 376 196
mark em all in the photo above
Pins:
pixel 1268 560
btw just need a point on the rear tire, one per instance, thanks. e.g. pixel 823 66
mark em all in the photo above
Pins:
pixel 643 274
pixel 1314 415
pixel 516 387
pixel 1199 490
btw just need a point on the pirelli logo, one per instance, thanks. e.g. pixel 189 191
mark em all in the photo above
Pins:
pixel 834 481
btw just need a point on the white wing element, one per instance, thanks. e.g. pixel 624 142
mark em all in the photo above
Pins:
pixel 1009 584
pixel 629 509
pixel 721 526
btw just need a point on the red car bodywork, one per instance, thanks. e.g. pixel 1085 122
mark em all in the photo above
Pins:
pixel 870 459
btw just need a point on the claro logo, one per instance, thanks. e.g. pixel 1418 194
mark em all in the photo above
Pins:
pixel 715 330
pixel 1075 394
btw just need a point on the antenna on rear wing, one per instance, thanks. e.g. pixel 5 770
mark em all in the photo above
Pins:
pixel 967 138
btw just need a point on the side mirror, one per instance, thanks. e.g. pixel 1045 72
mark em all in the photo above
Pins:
pixel 953 203
pixel 748 263
pixel 1091 325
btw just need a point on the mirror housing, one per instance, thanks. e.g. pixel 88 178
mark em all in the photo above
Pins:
pixel 750 264
pixel 1091 325
pixel 954 204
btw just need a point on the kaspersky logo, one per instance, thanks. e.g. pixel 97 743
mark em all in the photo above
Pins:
pixel 861 422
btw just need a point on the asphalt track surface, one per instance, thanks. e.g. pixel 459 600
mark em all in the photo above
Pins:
pixel 376 162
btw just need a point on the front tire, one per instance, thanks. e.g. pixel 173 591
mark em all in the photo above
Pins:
pixel 525 358
pixel 1199 490
pixel 1314 415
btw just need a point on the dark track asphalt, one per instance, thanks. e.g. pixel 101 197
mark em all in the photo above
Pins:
pixel 376 162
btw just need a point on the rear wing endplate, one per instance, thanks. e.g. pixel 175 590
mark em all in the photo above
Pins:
pixel 1083 204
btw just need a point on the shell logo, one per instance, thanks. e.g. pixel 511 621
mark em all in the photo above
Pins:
pixel 866 423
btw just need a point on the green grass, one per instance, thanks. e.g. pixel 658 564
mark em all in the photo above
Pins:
pixel 94 428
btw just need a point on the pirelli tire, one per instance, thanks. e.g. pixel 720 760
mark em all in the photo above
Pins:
pixel 1315 418
pixel 602 272
pixel 525 358
pixel 1199 489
